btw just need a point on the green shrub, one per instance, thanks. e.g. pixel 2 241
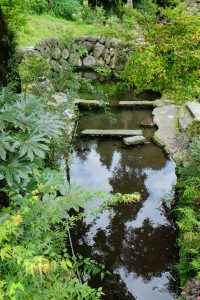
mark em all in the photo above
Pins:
pixel 27 127
pixel 188 187
pixel 90 15
pixel 168 59
pixel 35 262
pixel 37 6
pixel 66 8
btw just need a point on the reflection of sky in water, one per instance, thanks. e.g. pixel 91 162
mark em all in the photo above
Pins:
pixel 158 183
pixel 154 183
pixel 91 173
pixel 143 290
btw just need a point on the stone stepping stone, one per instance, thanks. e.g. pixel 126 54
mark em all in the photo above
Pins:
pixel 134 140
pixel 111 132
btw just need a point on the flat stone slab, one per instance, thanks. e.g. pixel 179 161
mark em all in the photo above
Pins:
pixel 134 140
pixel 137 103
pixel 84 102
pixel 111 132
pixel 167 135
pixel 194 108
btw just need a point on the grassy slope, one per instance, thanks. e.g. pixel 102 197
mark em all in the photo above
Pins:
pixel 42 27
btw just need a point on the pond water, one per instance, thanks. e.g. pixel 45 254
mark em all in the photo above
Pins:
pixel 136 242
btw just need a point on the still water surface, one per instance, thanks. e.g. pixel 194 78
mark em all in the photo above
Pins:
pixel 136 242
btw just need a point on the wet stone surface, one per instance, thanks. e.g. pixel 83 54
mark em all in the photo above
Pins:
pixel 136 242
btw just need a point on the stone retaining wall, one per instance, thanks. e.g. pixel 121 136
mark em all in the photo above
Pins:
pixel 84 53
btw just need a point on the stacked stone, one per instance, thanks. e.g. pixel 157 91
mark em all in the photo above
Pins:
pixel 98 53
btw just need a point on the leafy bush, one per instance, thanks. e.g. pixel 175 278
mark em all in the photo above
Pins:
pixel 168 60
pixel 37 6
pixel 188 187
pixel 66 8
pixel 35 262
pixel 92 15
pixel 26 129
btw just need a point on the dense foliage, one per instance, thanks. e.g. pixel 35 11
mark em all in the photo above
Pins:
pixel 61 8
pixel 11 21
pixel 26 128
pixel 35 224
pixel 35 262
pixel 188 215
pixel 168 59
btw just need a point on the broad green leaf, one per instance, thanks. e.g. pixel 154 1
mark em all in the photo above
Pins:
pixel 5 145
pixel 33 146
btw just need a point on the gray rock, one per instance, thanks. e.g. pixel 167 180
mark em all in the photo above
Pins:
pixel 98 50
pixel 185 119
pixel 93 39
pixel 65 54
pixel 102 40
pixel 108 59
pixel 91 75
pixel 80 39
pixel 47 52
pixel 115 42
pixel 55 65
pixel 167 136
pixel 88 45
pixel 75 60
pixel 108 44
pixel 89 62
pixel 112 52
pixel 101 62
pixel 113 62
pixel 56 53
pixel 134 140
pixel 64 64
pixel 194 108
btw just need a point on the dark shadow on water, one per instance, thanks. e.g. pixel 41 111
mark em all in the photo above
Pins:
pixel 136 242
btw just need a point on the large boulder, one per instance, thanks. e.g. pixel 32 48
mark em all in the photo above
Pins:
pixel 89 61
pixel 98 50
pixel 134 140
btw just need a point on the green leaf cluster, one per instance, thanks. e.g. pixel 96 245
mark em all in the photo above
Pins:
pixel 168 60
pixel 188 187
pixel 35 262
pixel 26 130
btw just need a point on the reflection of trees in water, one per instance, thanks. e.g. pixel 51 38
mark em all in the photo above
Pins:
pixel 147 251
pixel 82 148
pixel 125 180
